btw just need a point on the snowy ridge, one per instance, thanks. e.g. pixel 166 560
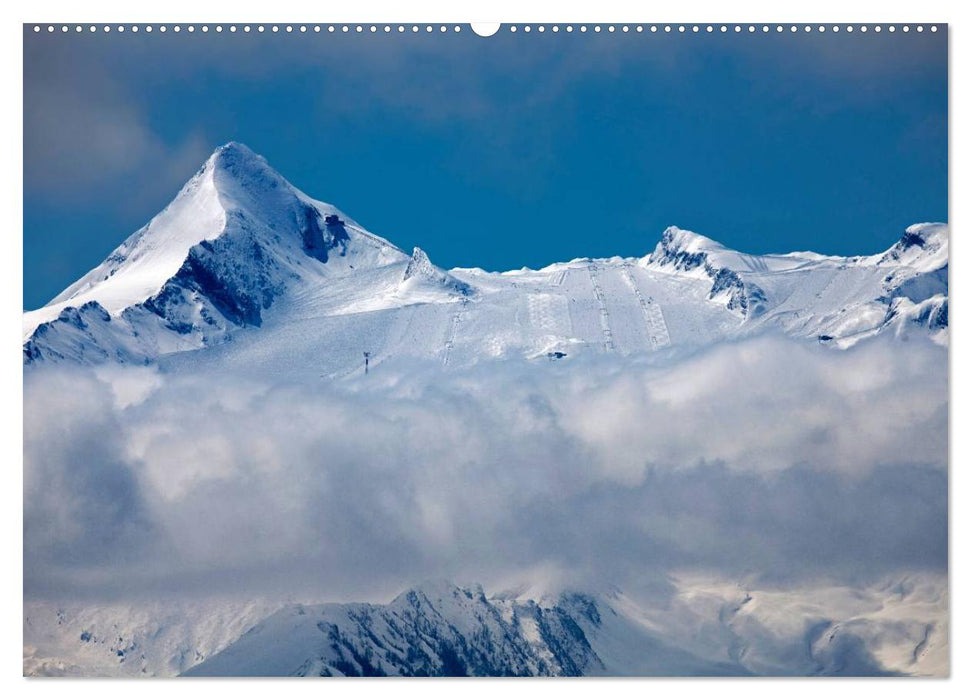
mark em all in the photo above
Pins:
pixel 688 252
pixel 421 271
pixel 241 255
pixel 923 247
pixel 434 630
pixel 895 627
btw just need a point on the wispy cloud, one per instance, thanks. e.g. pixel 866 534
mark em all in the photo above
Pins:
pixel 85 135
pixel 87 100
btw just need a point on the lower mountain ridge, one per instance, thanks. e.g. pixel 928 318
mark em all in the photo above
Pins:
pixel 701 628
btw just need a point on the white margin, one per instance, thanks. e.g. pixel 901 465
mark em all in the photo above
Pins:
pixel 440 11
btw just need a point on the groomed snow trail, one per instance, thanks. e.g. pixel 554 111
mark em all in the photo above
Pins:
pixel 598 292
pixel 556 278
pixel 657 329
pixel 452 328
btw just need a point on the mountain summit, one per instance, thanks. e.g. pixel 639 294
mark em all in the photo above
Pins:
pixel 236 238
pixel 241 254
pixel 234 189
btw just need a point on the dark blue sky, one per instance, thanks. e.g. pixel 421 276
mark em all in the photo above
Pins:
pixel 501 152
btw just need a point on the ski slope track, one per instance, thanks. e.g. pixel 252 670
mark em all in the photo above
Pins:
pixel 244 270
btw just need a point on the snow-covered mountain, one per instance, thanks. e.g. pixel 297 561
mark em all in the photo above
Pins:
pixel 244 274
pixel 241 255
pixel 700 628
pixel 235 239
pixel 435 630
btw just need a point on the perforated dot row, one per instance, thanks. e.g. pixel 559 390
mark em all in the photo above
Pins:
pixel 527 28
pixel 721 28
pixel 258 28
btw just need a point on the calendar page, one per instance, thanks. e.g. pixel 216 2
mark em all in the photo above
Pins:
pixel 515 349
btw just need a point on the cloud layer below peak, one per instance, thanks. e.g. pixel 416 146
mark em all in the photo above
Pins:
pixel 766 459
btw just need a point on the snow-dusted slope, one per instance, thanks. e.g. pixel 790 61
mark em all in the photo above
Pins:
pixel 142 639
pixel 700 627
pixel 242 255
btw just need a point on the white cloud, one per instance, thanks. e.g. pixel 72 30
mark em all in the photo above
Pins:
pixel 767 458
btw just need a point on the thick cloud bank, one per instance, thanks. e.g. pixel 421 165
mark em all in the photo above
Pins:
pixel 767 459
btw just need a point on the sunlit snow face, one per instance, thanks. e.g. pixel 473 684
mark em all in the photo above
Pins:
pixel 766 458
